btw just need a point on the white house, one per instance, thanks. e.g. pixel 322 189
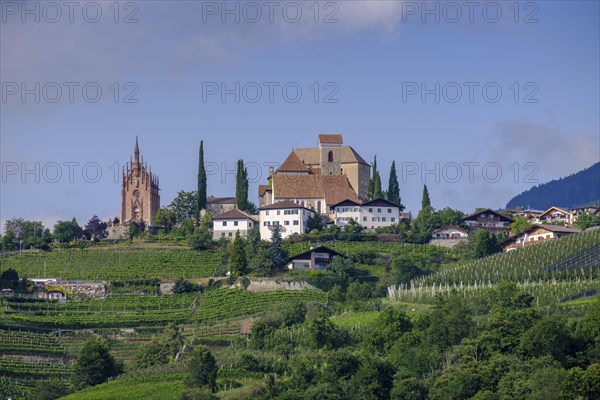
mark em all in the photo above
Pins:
pixel 555 214
pixel 450 232
pixel 289 216
pixel 345 211
pixel 370 215
pixel 227 224
pixel 536 234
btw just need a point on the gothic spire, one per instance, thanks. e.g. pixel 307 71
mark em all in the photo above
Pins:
pixel 137 151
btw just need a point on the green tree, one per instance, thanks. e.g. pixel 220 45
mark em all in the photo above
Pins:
pixel 237 259
pixel 161 350
pixel 353 227
pixel 51 389
pixel 388 327
pixel 165 218
pixel 314 221
pixel 425 200
pixel 241 186
pixel 342 267
pixel 519 224
pixel 422 226
pixel 201 179
pixel 198 394
pixel 294 314
pixel 203 369
pixel 185 206
pixel 484 244
pixel 447 216
pixel 9 279
pixel 374 190
pixel 393 192
pixel 95 229
pixel 276 250
pixel 67 231
pixel 201 239
pixel 587 220
pixel 95 364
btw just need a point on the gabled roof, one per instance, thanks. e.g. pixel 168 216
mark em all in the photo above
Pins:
pixel 345 203
pixel 487 211
pixel 561 209
pixel 549 228
pixel 319 249
pixel 458 228
pixel 262 189
pixel 380 203
pixel 331 139
pixel 220 200
pixel 234 214
pixel 283 205
pixel 332 188
pixel 293 164
pixel 312 155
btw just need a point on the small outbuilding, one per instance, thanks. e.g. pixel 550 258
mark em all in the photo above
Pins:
pixel 315 258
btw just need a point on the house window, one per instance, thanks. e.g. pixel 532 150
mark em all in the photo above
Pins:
pixel 319 206
pixel 296 222
pixel 286 222
pixel 393 219
pixel 223 234
pixel 379 210
pixel 382 219
pixel 224 223
pixel 278 212
pixel 370 210
pixel 235 223
pixel 365 219
pixel 267 212
pixel 389 210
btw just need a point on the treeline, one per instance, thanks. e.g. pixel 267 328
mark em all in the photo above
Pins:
pixel 581 188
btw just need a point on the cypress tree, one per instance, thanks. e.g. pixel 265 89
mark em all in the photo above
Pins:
pixel 237 260
pixel 276 250
pixel 374 186
pixel 241 186
pixel 393 193
pixel 425 201
pixel 201 181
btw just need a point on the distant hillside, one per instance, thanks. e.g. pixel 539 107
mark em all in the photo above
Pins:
pixel 582 188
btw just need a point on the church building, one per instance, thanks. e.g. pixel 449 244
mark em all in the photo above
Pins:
pixel 140 194
pixel 318 177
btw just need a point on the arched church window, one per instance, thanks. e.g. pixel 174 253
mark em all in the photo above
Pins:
pixel 330 156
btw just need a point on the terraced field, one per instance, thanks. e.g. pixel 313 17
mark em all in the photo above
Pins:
pixel 551 272
pixel 132 311
pixel 116 265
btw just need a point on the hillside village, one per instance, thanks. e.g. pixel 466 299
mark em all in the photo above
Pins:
pixel 328 267
pixel 333 184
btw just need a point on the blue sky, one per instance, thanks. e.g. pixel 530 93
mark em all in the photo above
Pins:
pixel 368 61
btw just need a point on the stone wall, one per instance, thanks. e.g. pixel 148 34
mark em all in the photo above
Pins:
pixel 89 289
pixel 446 242
pixel 266 285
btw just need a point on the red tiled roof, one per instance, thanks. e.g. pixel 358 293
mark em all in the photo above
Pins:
pixel 312 156
pixel 282 204
pixel 264 188
pixel 234 214
pixel 331 139
pixel 293 164
pixel 332 188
